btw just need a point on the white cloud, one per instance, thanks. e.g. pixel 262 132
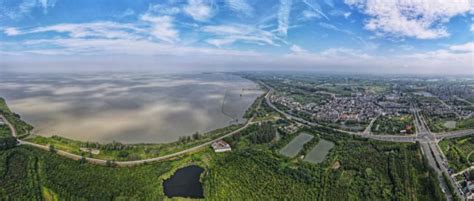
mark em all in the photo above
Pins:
pixel 297 49
pixel 83 30
pixel 284 16
pixel 229 34
pixel 162 27
pixel 11 31
pixel 199 10
pixel 422 19
pixel 467 47
pixel 472 28
pixel 240 6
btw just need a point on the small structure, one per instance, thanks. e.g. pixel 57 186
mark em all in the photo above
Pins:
pixel 90 150
pixel 2 122
pixel 220 146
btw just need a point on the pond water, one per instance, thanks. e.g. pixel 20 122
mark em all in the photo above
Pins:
pixel 319 152
pixel 295 146
pixel 185 183
pixel 128 107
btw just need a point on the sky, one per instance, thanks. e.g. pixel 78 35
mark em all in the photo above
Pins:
pixel 364 36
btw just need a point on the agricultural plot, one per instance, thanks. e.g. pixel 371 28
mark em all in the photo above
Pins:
pixel 294 147
pixel 319 152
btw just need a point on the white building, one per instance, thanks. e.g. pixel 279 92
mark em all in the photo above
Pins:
pixel 220 146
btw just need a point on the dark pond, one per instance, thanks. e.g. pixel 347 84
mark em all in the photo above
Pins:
pixel 185 183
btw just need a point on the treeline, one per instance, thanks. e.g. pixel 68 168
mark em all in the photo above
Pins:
pixel 256 134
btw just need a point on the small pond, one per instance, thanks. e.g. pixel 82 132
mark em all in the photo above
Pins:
pixel 319 152
pixel 294 147
pixel 185 183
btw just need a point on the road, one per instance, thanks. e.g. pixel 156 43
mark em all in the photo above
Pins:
pixel 13 130
pixel 137 162
pixel 428 142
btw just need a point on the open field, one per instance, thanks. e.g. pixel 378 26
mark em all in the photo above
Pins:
pixel 393 125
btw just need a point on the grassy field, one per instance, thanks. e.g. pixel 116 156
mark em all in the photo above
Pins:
pixel 392 124
pixel 459 151
pixel 437 124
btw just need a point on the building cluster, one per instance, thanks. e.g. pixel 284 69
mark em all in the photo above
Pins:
pixel 468 184
pixel 360 107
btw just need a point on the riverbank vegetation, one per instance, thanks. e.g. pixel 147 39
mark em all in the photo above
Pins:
pixel 124 152
pixel 22 128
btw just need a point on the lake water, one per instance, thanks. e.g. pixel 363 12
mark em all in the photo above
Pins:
pixel 319 152
pixel 294 147
pixel 130 108
pixel 185 183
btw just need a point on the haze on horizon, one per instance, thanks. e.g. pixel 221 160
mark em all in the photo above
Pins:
pixel 372 36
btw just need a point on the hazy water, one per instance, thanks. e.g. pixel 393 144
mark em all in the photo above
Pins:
pixel 128 108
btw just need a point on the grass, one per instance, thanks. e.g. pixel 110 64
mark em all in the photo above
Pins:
pixel 392 124
pixel 437 124
pixel 459 152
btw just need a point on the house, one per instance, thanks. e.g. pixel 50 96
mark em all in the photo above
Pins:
pixel 220 146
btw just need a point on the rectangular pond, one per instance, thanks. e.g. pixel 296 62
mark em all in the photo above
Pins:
pixel 319 152
pixel 294 147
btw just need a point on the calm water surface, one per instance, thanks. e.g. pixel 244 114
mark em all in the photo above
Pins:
pixel 185 183
pixel 130 108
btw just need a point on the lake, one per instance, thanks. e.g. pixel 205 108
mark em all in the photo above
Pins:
pixel 185 183
pixel 294 147
pixel 128 107
pixel 319 152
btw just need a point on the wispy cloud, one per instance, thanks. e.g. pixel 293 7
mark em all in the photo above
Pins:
pixel 229 34
pixel 313 4
pixel 284 16
pixel 240 6
pixel 417 19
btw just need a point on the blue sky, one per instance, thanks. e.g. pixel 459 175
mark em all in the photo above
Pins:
pixel 423 36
